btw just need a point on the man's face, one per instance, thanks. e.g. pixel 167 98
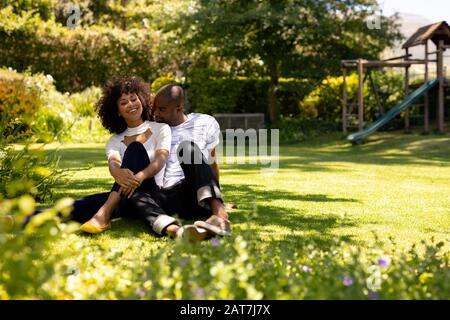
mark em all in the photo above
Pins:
pixel 165 112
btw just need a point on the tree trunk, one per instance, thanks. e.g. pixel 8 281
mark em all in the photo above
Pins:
pixel 273 108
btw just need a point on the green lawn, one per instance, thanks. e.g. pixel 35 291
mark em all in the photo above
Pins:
pixel 397 185
pixel 326 192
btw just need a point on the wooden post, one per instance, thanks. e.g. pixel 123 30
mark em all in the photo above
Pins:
pixel 426 102
pixel 344 103
pixel 360 94
pixel 440 71
pixel 406 94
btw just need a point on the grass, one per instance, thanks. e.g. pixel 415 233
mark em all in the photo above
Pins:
pixel 396 186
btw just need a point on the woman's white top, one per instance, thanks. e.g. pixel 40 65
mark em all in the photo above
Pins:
pixel 161 138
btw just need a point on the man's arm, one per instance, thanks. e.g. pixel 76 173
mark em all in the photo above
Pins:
pixel 214 165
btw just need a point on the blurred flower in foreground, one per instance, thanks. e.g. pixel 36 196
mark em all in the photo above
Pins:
pixel 374 295
pixel 306 268
pixel 384 262
pixel 347 281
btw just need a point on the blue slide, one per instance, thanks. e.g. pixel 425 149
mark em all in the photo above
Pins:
pixel 357 138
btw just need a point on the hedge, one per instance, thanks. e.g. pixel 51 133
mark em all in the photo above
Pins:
pixel 76 58
pixel 214 92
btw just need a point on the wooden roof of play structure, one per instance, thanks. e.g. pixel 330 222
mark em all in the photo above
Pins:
pixel 434 32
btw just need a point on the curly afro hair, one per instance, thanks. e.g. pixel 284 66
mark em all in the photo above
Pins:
pixel 107 106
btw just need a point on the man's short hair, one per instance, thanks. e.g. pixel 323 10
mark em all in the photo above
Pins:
pixel 171 93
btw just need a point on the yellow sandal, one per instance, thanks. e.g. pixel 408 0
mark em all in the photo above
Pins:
pixel 89 227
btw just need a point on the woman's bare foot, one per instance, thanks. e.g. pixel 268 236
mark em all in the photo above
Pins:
pixel 97 224
pixel 100 220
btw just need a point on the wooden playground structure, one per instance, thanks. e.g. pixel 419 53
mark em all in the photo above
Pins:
pixel 439 34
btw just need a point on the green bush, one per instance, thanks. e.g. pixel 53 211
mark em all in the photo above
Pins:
pixel 44 8
pixel 294 130
pixel 212 91
pixel 160 82
pixel 84 102
pixel 19 104
pixel 325 101
pixel 87 129
pixel 31 108
pixel 48 126
pixel 40 113
pixel 23 269
pixel 26 171
pixel 229 268
pixel 76 58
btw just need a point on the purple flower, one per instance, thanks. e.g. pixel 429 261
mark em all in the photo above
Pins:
pixel 374 295
pixel 200 292
pixel 184 261
pixel 347 281
pixel 384 262
pixel 215 242
pixel 306 268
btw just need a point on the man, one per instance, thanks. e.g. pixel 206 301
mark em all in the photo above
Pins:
pixel 191 181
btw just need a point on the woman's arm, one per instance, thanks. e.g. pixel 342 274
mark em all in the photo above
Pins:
pixel 124 177
pixel 161 156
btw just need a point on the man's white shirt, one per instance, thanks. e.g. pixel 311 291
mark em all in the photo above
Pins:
pixel 200 128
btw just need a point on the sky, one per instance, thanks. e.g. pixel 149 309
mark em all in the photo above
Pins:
pixel 434 10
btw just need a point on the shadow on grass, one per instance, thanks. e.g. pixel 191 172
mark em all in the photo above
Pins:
pixel 272 224
pixel 249 194
pixel 82 158
pixel 331 153
pixel 270 219
pixel 382 149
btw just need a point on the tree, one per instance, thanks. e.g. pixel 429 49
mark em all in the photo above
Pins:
pixel 285 37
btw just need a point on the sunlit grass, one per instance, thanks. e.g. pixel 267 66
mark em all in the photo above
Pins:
pixel 325 190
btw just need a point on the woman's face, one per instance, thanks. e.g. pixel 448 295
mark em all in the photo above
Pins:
pixel 130 107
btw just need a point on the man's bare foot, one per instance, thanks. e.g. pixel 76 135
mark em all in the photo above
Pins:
pixel 215 225
pixel 191 234
pixel 230 206
pixel 172 230
pixel 218 209
pixel 221 213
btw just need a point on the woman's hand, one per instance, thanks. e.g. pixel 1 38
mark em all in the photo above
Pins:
pixel 127 191
pixel 125 178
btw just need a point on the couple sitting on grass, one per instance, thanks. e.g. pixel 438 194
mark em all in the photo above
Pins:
pixel 161 168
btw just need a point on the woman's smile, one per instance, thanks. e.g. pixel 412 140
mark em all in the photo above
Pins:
pixel 133 110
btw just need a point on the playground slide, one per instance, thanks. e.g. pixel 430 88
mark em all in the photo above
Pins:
pixel 391 114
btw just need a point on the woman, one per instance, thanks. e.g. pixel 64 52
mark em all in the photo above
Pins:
pixel 137 153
